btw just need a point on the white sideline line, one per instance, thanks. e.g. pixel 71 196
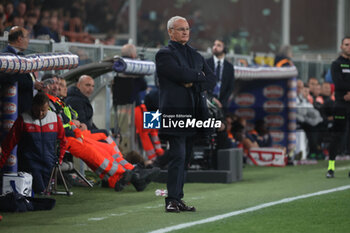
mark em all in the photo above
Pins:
pixel 342 168
pixel 251 209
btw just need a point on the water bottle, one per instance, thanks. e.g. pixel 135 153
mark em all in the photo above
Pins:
pixel 161 192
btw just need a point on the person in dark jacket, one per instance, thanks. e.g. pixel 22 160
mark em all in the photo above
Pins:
pixel 18 41
pixel 260 134
pixel 183 77
pixel 224 72
pixel 340 70
pixel 78 99
pixel 284 57
pixel 37 133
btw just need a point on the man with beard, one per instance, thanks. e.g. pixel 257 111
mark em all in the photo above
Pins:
pixel 340 70
pixel 224 72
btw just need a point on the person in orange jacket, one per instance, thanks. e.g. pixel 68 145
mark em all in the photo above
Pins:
pixel 104 159
pixel 149 137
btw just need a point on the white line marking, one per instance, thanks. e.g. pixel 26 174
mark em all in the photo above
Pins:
pixel 342 168
pixel 96 219
pixel 121 214
pixel 251 209
pixel 154 207
pixel 103 218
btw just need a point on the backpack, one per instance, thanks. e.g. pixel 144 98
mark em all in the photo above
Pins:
pixel 16 202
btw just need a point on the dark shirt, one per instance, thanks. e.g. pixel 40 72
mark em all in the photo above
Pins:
pixel 340 70
pixel 126 90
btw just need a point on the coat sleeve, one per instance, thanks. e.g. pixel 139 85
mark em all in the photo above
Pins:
pixel 61 137
pixel 229 88
pixel 168 66
pixel 25 82
pixel 11 140
pixel 79 108
pixel 210 77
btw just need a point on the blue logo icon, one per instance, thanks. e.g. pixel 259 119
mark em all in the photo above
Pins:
pixel 151 120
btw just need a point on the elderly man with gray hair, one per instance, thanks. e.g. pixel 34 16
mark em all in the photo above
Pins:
pixel 184 76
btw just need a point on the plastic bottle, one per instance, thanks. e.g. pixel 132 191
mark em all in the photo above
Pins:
pixel 161 192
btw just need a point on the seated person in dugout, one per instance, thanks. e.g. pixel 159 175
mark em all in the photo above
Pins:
pixel 36 133
pixel 78 98
pixel 260 134
pixel 104 158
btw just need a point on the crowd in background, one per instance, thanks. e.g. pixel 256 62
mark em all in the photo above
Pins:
pixel 77 21
pixel 315 103
pixel 46 21
pixel 85 22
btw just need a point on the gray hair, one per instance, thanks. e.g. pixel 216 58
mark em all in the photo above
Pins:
pixel 129 50
pixel 285 50
pixel 172 21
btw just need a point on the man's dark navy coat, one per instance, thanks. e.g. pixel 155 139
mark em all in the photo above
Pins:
pixel 177 65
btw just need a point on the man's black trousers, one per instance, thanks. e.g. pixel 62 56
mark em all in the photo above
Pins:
pixel 180 152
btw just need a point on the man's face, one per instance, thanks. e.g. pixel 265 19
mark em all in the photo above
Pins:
pixel 326 89
pixel 345 47
pixel 180 32
pixel 52 86
pixel 306 92
pixel 62 88
pixel 39 112
pixel 300 86
pixel 24 40
pixel 313 85
pixel 317 90
pixel 218 48
pixel 86 86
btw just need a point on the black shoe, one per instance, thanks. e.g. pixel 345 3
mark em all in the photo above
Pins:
pixel 151 174
pixel 139 183
pixel 104 184
pixel 120 185
pixel 145 175
pixel 183 207
pixel 142 177
pixel 173 207
pixel 330 174
pixel 349 174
